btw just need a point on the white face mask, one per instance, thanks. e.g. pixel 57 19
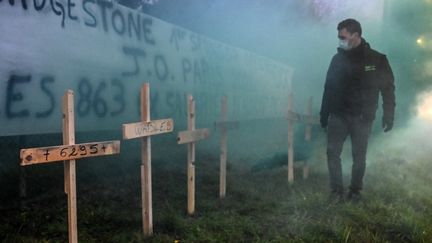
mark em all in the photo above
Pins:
pixel 343 44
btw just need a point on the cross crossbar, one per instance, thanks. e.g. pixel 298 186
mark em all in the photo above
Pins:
pixel 41 155
pixel 192 136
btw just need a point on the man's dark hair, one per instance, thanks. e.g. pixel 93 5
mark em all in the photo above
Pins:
pixel 351 26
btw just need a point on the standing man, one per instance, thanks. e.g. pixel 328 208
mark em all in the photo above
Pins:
pixel 356 76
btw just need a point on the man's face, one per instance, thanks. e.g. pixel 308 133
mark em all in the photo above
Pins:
pixel 347 40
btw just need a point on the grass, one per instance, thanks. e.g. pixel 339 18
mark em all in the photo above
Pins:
pixel 260 205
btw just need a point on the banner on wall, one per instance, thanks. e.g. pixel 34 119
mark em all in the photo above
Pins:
pixel 104 52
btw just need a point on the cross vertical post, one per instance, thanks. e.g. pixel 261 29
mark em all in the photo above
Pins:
pixel 146 186
pixel 22 184
pixel 308 135
pixel 191 157
pixel 22 179
pixel 290 139
pixel 223 149
pixel 69 165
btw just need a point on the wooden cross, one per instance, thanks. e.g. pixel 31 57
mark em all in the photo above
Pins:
pixel 308 134
pixel 68 153
pixel 144 130
pixel 291 120
pixel 309 120
pixel 191 136
pixel 224 126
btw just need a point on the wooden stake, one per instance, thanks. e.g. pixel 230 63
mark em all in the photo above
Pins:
pixel 191 158
pixel 23 185
pixel 309 122
pixel 306 169
pixel 146 184
pixel 290 140
pixel 223 150
pixel 308 135
pixel 69 165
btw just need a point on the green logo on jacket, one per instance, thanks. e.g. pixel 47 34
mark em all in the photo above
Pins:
pixel 370 68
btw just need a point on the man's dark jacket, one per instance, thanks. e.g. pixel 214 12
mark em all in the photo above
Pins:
pixel 354 80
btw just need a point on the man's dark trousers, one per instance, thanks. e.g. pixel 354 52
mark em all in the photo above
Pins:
pixel 339 127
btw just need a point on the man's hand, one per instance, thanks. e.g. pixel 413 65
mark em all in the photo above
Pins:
pixel 387 124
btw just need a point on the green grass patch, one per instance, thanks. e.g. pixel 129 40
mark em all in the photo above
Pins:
pixel 260 207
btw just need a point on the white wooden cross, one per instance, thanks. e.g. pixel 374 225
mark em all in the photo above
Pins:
pixel 144 130
pixel 291 119
pixel 68 153
pixel 224 125
pixel 191 136
pixel 309 120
